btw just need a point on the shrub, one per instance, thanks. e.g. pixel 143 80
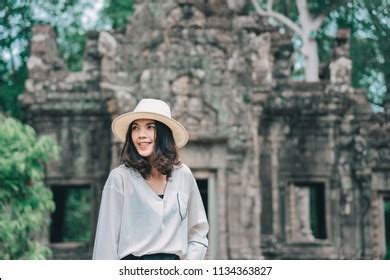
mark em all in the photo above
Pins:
pixel 25 202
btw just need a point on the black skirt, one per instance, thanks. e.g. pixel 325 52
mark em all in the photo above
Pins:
pixel 158 256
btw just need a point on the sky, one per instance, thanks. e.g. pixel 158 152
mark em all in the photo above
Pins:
pixel 91 14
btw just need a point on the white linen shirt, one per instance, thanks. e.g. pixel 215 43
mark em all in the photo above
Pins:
pixel 133 219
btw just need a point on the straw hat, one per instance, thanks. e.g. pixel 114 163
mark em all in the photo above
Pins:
pixel 150 109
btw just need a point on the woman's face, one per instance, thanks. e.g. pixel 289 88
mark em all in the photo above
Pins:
pixel 143 135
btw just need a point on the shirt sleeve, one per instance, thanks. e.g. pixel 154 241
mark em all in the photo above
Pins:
pixel 109 221
pixel 198 226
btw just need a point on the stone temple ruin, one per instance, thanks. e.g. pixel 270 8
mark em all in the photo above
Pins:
pixel 287 170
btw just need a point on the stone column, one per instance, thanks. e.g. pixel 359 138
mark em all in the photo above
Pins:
pixel 341 65
pixel 302 202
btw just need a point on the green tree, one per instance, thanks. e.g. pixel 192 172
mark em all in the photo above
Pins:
pixel 115 13
pixel 16 21
pixel 25 202
pixel 78 212
pixel 371 47
pixel 369 23
pixel 15 33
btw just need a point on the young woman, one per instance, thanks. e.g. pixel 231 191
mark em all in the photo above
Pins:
pixel 151 207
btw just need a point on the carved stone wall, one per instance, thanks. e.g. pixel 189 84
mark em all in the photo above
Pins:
pixel 70 107
pixel 323 135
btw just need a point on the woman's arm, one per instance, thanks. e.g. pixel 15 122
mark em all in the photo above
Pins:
pixel 198 226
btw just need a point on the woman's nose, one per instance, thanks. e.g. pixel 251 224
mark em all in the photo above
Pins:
pixel 142 133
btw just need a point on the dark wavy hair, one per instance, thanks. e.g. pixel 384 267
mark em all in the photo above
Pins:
pixel 163 158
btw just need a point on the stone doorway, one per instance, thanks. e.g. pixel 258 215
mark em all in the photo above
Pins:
pixel 386 208
pixel 72 217
pixel 203 189
pixel 207 189
pixel 71 222
pixel 307 212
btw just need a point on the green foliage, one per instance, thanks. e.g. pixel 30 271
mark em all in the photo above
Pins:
pixel 78 213
pixel 24 200
pixel 378 23
pixel 369 23
pixel 10 90
pixel 116 12
pixel 71 47
pixel 324 7
pixel 15 33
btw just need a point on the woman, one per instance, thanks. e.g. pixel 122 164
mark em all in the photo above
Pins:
pixel 151 207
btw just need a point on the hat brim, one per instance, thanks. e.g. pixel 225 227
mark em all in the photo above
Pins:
pixel 121 123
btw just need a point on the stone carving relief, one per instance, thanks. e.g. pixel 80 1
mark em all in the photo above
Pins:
pixel 299 210
pixel 44 59
pixel 341 71
pixel 261 59
pixel 107 46
pixel 236 5
pixel 187 15
pixel 189 106
pixel 344 169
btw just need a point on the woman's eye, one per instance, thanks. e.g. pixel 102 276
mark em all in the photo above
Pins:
pixel 134 128
pixel 151 126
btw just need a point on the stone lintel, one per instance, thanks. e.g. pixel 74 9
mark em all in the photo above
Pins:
pixel 207 137
pixel 306 86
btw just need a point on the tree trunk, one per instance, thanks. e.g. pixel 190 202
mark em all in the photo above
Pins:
pixel 309 47
pixel 307 26
pixel 310 53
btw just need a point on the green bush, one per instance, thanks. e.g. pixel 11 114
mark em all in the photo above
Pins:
pixel 77 220
pixel 25 202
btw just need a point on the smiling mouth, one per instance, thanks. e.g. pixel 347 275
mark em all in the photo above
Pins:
pixel 144 145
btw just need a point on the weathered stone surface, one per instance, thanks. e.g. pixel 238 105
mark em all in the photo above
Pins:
pixel 341 73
